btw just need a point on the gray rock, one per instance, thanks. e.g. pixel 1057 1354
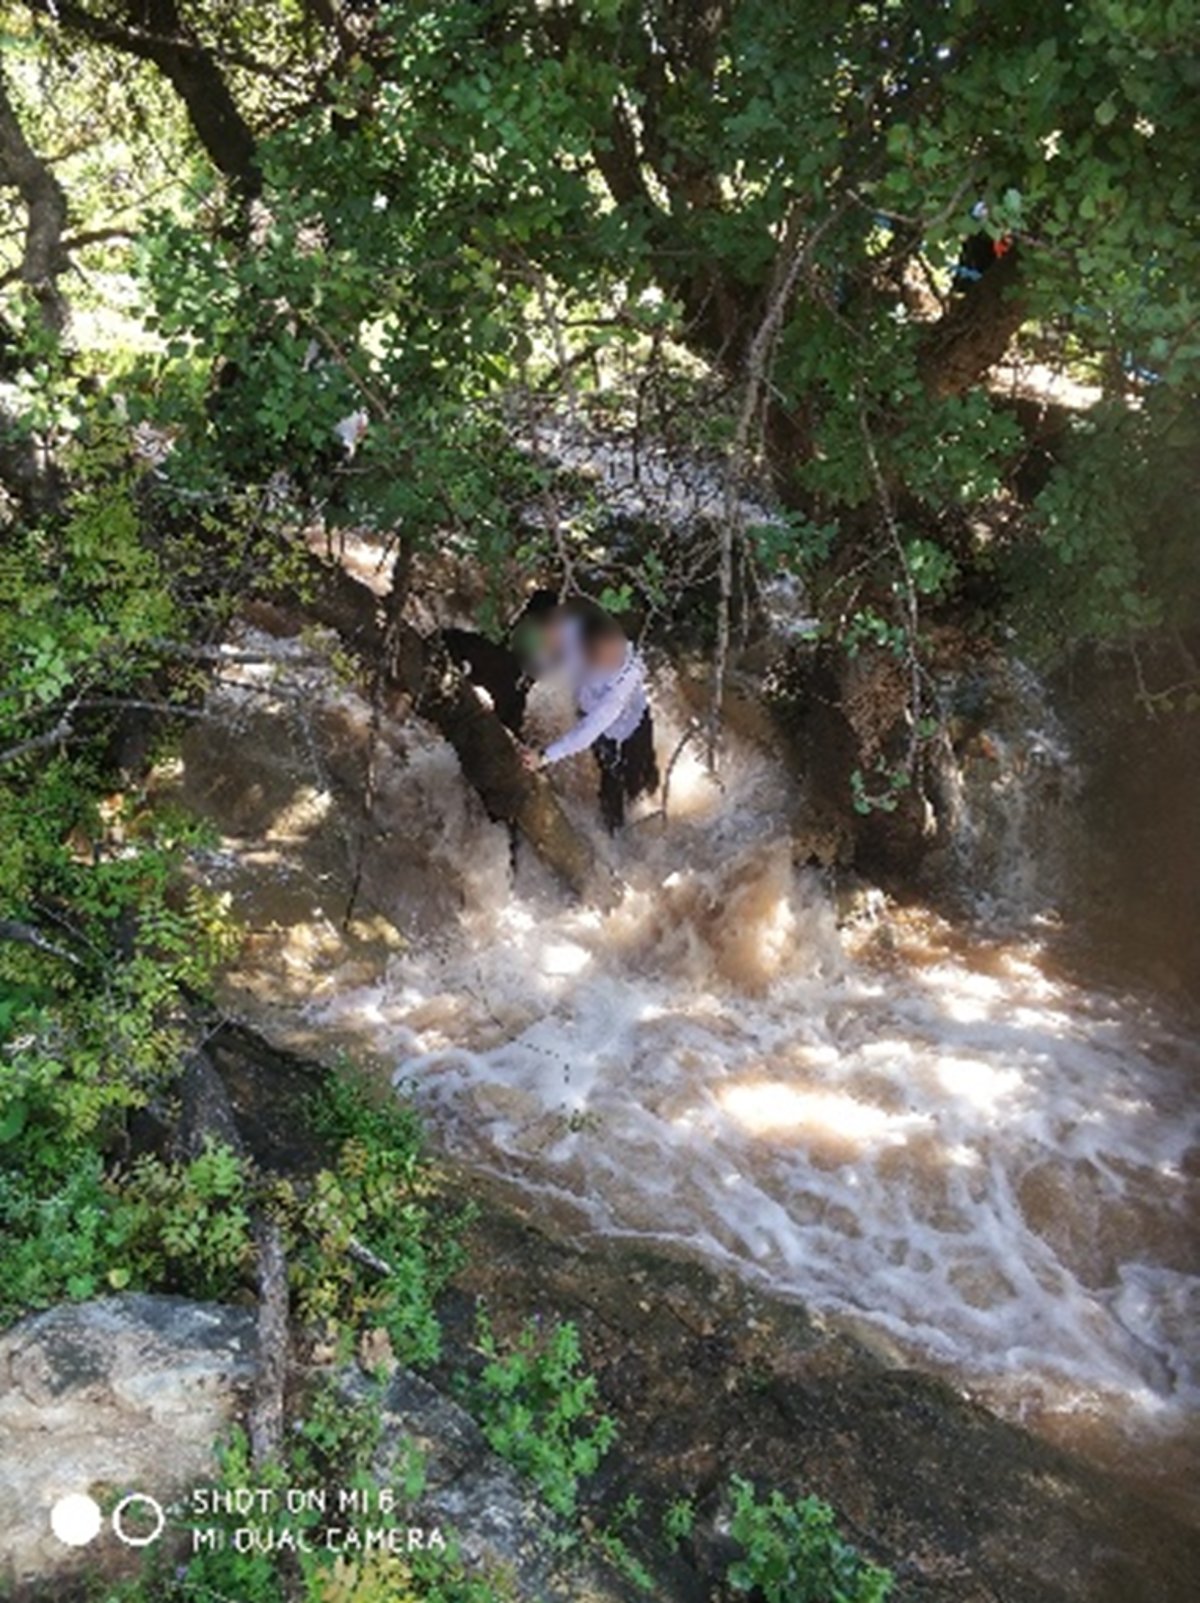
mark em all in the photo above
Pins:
pixel 129 1393
pixel 478 1501
pixel 206 1113
pixel 122 1394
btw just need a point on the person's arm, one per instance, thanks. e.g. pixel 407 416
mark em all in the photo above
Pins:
pixel 601 718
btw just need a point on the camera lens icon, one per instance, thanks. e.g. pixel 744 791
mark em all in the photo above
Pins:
pixel 137 1521
pixel 131 1513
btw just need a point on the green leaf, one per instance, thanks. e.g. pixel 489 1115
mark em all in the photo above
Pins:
pixel 13 1121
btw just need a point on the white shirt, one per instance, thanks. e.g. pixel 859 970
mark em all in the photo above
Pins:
pixel 611 702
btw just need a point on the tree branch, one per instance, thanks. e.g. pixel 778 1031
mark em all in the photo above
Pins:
pixel 12 929
pixel 154 30
pixel 74 242
pixel 44 256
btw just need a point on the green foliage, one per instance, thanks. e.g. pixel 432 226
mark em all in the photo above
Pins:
pixel 73 1231
pixel 184 1225
pixel 538 1409
pixel 380 1195
pixel 59 1239
pixel 792 1553
pixel 679 1521
pixel 869 627
pixel 330 1449
pixel 793 542
pixel 610 1541
pixel 92 1016
pixel 482 205
pixel 882 791
pixel 1115 556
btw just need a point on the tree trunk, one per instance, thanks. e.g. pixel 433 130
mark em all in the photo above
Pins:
pixel 154 30
pixel 46 208
pixel 265 1419
pixel 419 669
pixel 199 83
pixel 974 334
pixel 491 764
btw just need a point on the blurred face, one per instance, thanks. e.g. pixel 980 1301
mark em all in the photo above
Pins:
pixel 607 655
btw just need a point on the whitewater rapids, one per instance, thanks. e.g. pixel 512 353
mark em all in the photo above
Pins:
pixel 920 1129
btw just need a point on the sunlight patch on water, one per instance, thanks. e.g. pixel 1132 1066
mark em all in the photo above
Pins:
pixel 980 1083
pixel 984 1164
pixel 769 1107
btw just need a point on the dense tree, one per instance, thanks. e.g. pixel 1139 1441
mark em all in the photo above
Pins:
pixel 436 225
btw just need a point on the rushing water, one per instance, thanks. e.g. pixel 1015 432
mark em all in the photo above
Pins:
pixel 917 1127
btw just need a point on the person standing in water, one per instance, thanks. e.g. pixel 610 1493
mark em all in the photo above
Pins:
pixel 608 677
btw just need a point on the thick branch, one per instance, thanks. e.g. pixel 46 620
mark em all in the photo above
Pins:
pixel 73 242
pixel 154 30
pixel 44 257
pixel 12 929
pixel 265 1421
pixel 207 1118
pixel 420 669
pixel 974 334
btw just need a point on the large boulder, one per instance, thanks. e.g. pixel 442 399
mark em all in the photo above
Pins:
pixel 103 1398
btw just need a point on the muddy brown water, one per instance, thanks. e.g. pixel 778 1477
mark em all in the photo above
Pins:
pixel 708 1378
pixel 924 1132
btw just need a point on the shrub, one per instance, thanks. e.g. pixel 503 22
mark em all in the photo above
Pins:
pixel 538 1410
pixel 379 1195
pixel 792 1553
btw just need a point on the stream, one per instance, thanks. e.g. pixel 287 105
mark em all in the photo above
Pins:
pixel 919 1125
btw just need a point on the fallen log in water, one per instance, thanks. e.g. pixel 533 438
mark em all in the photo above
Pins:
pixel 417 667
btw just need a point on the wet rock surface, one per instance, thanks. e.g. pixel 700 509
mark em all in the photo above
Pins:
pixel 708 1378
pixel 123 1394
pixel 705 1376
pixel 471 1495
pixel 128 1394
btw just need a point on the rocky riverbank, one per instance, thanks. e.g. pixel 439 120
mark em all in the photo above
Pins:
pixel 706 1378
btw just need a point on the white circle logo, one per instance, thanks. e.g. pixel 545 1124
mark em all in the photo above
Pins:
pixel 139 1500
pixel 75 1519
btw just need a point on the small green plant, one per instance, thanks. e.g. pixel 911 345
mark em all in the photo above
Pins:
pixel 70 1230
pixel 377 1198
pixel 329 1450
pixel 890 781
pixel 59 1238
pixel 679 1521
pixel 868 628
pixel 793 1552
pixel 538 1409
pixel 611 1541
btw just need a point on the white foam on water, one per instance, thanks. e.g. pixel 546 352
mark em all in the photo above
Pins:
pixel 980 1160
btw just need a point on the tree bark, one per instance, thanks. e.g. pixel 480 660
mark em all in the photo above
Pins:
pixel 206 1117
pixel 265 1420
pixel 974 334
pixel 46 208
